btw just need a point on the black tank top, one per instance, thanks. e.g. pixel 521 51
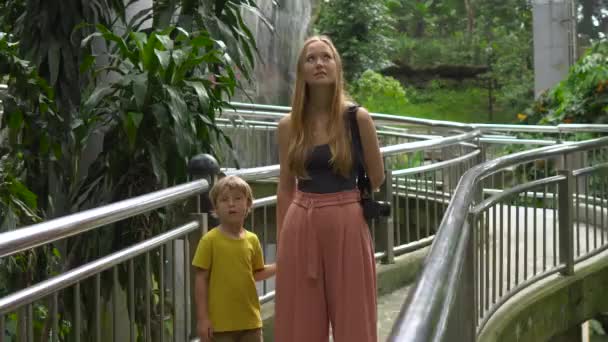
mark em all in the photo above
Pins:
pixel 321 177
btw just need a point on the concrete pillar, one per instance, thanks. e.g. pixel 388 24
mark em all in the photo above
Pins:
pixel 554 41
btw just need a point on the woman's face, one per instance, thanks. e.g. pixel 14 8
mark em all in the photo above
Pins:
pixel 319 64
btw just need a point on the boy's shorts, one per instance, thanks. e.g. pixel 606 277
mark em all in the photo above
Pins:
pixel 252 335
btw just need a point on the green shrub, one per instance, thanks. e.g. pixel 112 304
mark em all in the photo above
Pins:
pixel 379 93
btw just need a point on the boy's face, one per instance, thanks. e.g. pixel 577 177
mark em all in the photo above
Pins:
pixel 232 206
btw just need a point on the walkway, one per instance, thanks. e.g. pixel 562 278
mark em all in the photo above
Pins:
pixel 388 309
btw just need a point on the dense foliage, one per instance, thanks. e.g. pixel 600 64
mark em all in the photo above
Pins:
pixel 360 30
pixel 102 107
pixel 493 38
pixel 581 98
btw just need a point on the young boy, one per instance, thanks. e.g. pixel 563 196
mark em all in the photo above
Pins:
pixel 229 261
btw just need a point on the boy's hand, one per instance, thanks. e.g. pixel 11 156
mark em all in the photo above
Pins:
pixel 265 273
pixel 205 330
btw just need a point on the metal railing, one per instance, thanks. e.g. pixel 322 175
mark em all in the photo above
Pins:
pixel 424 161
pixel 158 268
pixel 56 292
pixel 490 248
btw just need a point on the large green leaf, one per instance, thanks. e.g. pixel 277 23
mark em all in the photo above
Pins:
pixel 201 92
pixel 177 105
pixel 54 57
pixel 98 94
pixel 87 63
pixel 19 190
pixel 148 56
pixel 165 41
pixel 164 58
pixel 131 124
pixel 140 89
pixel 120 42
pixel 161 114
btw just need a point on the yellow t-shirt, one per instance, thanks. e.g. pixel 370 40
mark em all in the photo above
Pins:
pixel 233 301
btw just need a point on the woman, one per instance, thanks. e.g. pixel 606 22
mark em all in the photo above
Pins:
pixel 325 261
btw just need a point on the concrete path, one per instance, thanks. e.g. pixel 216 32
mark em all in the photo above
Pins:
pixel 389 306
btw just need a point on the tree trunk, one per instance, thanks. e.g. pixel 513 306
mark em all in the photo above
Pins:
pixel 420 27
pixel 470 16
pixel 163 12
pixel 586 24
pixel 491 84
pixel 185 16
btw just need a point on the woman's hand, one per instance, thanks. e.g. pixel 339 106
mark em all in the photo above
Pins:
pixel 204 330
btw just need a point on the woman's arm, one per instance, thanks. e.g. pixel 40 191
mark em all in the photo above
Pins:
pixel 265 273
pixel 287 183
pixel 374 165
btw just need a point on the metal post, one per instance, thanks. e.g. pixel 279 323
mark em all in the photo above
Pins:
pixel 566 242
pixel 389 239
pixel 468 286
pixel 204 166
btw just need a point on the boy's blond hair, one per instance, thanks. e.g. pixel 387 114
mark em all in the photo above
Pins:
pixel 230 183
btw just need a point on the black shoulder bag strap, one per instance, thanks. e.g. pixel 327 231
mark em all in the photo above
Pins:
pixel 362 180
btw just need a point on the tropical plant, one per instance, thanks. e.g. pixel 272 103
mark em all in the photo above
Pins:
pixel 18 206
pixel 50 40
pixel 581 98
pixel 31 124
pixel 161 123
pixel 222 19
pixel 160 103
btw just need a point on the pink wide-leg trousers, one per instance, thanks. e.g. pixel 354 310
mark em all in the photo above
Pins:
pixel 326 271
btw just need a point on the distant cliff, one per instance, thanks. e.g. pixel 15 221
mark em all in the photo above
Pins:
pixel 275 71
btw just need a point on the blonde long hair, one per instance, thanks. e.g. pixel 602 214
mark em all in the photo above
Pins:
pixel 300 144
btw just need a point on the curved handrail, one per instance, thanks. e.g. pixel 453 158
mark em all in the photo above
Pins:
pixel 46 232
pixel 264 172
pixel 425 144
pixel 432 296
pixel 61 281
pixel 277 112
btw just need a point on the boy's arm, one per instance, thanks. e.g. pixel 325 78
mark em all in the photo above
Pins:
pixel 265 273
pixel 201 289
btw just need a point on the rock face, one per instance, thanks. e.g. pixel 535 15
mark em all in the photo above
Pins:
pixel 275 72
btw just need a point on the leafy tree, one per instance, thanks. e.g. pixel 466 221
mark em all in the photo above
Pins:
pixel 593 19
pixel 50 40
pixel 30 121
pixel 490 42
pixel 10 13
pixel 360 30
pixel 27 133
pixel 156 94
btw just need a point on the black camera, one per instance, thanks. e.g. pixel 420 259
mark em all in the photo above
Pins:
pixel 375 209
